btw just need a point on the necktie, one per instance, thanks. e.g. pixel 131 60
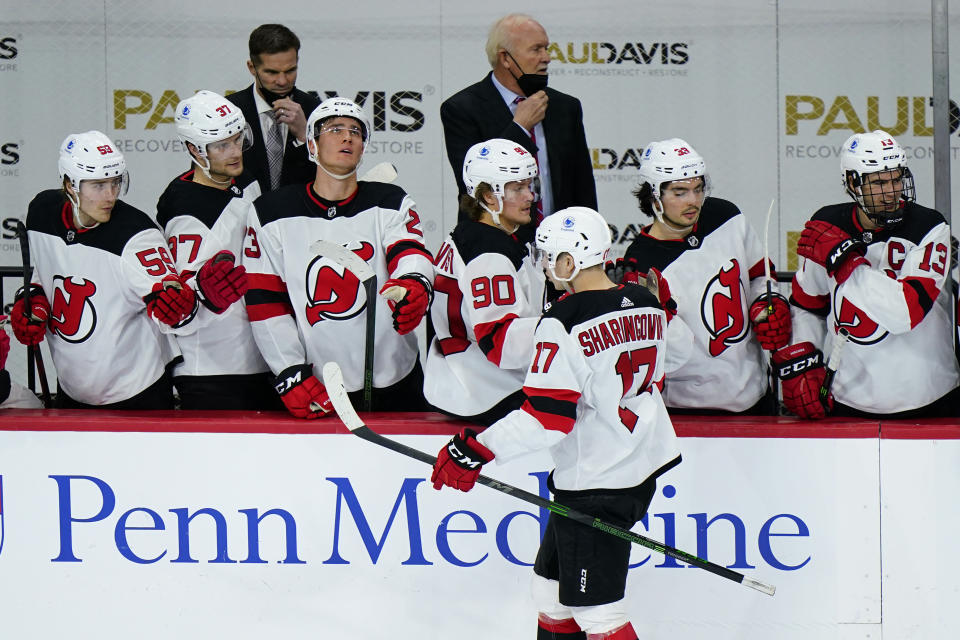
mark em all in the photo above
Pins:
pixel 533 138
pixel 274 143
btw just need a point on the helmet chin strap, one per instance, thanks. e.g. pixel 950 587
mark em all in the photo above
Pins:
pixel 658 212
pixel 75 201
pixel 206 171
pixel 496 214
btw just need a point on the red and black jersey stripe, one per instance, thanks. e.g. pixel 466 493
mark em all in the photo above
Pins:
pixel 819 305
pixel 403 248
pixel 492 335
pixel 267 297
pixel 920 294
pixel 555 409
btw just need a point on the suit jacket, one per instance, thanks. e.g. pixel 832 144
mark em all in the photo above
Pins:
pixel 479 113
pixel 297 167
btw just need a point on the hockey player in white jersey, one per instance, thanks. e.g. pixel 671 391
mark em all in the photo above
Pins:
pixel 715 264
pixel 593 389
pixel 308 309
pixel 106 292
pixel 204 215
pixel 876 267
pixel 488 290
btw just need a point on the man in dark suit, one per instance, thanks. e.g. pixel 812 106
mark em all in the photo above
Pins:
pixel 513 102
pixel 276 110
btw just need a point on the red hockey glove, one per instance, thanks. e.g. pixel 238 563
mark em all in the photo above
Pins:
pixel 220 282
pixel 801 372
pixel 410 309
pixel 458 463
pixel 829 246
pixel 170 301
pixel 658 286
pixel 302 393
pixel 4 348
pixel 29 328
pixel 623 270
pixel 771 321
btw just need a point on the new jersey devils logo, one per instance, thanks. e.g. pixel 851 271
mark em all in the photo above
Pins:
pixel 73 316
pixel 333 292
pixel 861 327
pixel 721 309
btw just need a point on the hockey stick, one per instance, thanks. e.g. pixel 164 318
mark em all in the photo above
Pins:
pixel 766 271
pixel 333 380
pixel 832 363
pixel 368 279
pixel 383 172
pixel 33 351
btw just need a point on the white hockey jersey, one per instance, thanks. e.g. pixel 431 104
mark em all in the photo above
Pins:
pixel 200 221
pixel 714 274
pixel 308 309
pixel 593 392
pixel 488 297
pixel 899 355
pixel 105 346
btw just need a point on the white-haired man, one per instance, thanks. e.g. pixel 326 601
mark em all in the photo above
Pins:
pixel 514 102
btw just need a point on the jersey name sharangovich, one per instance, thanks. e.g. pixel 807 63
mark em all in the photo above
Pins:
pixel 488 297
pixel 593 392
pixel 200 221
pixel 306 308
pixel 105 346
pixel 715 273
pixel 899 354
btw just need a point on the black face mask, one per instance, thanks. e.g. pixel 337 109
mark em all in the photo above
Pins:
pixel 268 95
pixel 529 83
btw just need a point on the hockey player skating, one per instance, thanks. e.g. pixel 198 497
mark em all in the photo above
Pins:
pixel 204 216
pixel 594 400
pixel 307 309
pixel 105 291
pixel 877 268
pixel 488 288
pixel 715 264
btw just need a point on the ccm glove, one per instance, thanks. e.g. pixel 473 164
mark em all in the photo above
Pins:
pixel 458 463
pixel 409 310
pixel 30 325
pixel 221 282
pixel 170 301
pixel 770 317
pixel 658 286
pixel 302 393
pixel 832 248
pixel 622 270
pixel 801 372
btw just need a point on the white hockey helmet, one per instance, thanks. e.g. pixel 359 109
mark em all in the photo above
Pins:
pixel 332 108
pixel 866 153
pixel 579 231
pixel 207 117
pixel 495 163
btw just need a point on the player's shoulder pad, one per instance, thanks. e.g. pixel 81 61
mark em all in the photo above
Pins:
pixel 715 213
pixel 126 221
pixel 474 239
pixel 184 197
pixel 378 194
pixel 842 215
pixel 648 252
pixel 289 201
pixel 43 213
pixel 918 221
pixel 575 309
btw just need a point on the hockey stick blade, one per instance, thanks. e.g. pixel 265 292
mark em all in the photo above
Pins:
pixel 383 172
pixel 333 381
pixel 346 258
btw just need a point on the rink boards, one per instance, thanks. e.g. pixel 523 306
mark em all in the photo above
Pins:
pixel 238 525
